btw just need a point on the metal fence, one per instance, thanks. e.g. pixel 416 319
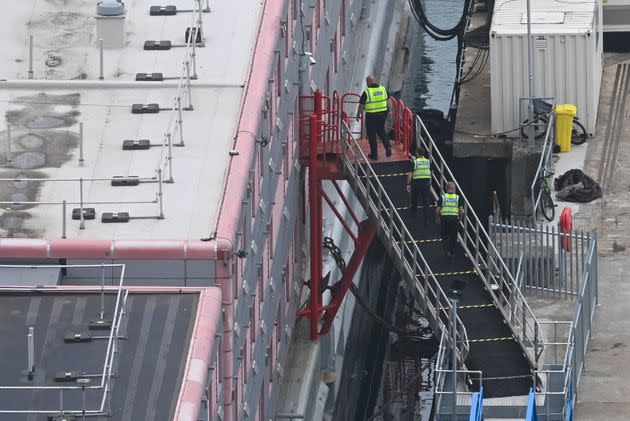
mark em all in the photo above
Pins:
pixel 565 358
pixel 553 261
pixel 173 137
pixel 84 389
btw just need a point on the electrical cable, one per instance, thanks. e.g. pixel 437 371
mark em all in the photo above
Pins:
pixel 432 30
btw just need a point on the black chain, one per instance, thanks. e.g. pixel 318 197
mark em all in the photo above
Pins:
pixel 329 243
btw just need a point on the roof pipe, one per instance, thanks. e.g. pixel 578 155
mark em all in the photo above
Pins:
pixel 39 248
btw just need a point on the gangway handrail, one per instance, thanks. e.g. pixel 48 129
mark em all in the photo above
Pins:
pixel 436 304
pixel 485 257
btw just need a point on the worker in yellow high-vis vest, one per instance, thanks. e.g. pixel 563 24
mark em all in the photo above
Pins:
pixel 448 212
pixel 419 183
pixel 374 101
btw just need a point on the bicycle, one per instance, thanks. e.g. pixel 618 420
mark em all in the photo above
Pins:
pixel 546 206
pixel 541 110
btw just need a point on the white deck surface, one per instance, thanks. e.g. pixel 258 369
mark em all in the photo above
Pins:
pixel 66 29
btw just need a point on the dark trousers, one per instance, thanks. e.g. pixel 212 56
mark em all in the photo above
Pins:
pixel 421 188
pixel 375 125
pixel 450 225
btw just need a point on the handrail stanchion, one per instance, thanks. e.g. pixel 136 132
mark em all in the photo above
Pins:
pixel 160 195
pixel 63 220
pixel 100 47
pixel 81 160
pixel 199 23
pixel 30 56
pixel 188 89
pixel 103 292
pixel 180 121
pixel 9 156
pixel 82 223
pixel 169 159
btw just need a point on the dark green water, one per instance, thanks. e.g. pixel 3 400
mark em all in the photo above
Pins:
pixel 431 70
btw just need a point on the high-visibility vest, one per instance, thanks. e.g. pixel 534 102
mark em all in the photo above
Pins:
pixel 450 204
pixel 421 168
pixel 376 101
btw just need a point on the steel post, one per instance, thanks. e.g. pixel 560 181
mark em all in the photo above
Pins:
pixel 30 56
pixel 188 89
pixel 100 48
pixel 9 156
pixel 530 66
pixel 180 121
pixel 82 223
pixel 170 158
pixel 160 194
pixel 63 219
pixel 454 356
pixel 103 292
pixel 81 160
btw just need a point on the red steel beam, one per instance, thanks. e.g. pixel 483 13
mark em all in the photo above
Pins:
pixel 316 227
pixel 345 202
pixel 367 230
pixel 338 215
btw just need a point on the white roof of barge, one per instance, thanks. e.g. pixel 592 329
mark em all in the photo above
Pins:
pixel 65 49
pixel 548 17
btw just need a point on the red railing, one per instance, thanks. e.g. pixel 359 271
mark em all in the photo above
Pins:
pixel 331 111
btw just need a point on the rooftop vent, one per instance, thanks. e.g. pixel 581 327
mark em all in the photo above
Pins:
pixel 110 8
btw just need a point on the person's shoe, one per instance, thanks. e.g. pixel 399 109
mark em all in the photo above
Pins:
pixel 373 156
pixel 388 152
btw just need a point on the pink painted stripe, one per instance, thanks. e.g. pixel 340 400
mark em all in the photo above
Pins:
pixel 257 85
pixel 199 356
pixel 38 248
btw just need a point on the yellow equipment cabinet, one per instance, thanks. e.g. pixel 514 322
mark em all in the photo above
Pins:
pixel 564 125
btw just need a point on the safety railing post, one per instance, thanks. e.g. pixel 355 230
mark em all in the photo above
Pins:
pixel 160 194
pixel 63 219
pixel 81 160
pixel 193 55
pixel 169 159
pixel 30 56
pixel 81 219
pixel 103 293
pixel 9 155
pixel 61 401
pixel 199 22
pixel 180 121
pixel 100 48
pixel 188 88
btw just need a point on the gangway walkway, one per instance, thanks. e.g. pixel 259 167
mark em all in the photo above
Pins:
pixel 493 348
pixel 498 337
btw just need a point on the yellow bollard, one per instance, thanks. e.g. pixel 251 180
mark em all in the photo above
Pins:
pixel 564 125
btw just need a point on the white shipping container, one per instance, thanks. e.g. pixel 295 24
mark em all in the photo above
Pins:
pixel 567 58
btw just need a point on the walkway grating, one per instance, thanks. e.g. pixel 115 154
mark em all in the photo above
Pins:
pixel 493 348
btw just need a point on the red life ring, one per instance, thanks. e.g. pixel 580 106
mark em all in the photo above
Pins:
pixel 566 225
